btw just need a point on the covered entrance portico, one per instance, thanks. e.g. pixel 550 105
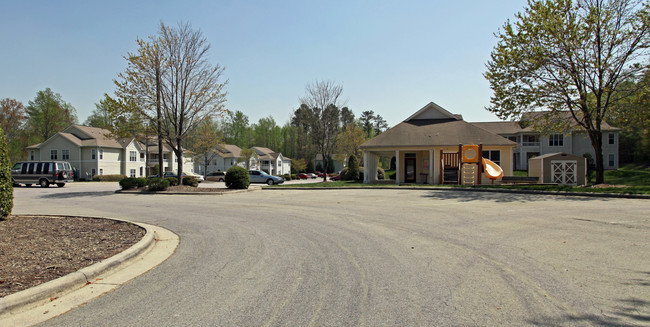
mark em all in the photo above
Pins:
pixel 412 166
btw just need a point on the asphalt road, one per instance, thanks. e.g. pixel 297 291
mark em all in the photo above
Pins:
pixel 373 258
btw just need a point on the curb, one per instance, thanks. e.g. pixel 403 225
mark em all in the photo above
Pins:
pixel 486 190
pixel 188 193
pixel 79 278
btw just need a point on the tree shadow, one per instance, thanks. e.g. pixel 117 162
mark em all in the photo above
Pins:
pixel 468 195
pixel 77 195
pixel 629 312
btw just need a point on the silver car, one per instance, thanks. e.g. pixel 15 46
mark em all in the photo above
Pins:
pixel 258 176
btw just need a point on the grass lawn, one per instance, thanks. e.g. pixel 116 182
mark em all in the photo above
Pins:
pixel 627 180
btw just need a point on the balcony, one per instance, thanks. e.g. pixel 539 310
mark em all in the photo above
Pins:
pixel 530 143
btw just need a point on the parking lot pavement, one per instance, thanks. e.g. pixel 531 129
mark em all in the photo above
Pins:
pixel 369 257
pixel 210 184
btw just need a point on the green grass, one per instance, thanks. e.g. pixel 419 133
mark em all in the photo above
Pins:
pixel 634 180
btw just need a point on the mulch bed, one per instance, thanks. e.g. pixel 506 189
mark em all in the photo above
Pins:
pixel 37 249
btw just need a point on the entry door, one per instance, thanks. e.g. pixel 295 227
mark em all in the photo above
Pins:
pixel 409 172
pixel 564 172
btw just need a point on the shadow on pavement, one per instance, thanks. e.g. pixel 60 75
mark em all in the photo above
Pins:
pixel 77 195
pixel 626 314
pixel 468 196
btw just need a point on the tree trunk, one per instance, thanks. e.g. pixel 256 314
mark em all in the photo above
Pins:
pixel 159 123
pixel 179 156
pixel 596 138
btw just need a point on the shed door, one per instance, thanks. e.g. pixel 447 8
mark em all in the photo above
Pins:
pixel 564 172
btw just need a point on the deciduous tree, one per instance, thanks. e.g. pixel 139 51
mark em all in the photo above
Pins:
pixel 568 56
pixel 203 142
pixel 12 120
pixel 322 100
pixel 47 115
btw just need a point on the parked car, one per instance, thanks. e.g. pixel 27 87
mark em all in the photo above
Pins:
pixel 217 176
pixel 258 176
pixel 302 176
pixel 43 173
pixel 335 177
pixel 312 175
pixel 198 177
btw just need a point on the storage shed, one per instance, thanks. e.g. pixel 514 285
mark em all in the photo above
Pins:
pixel 559 168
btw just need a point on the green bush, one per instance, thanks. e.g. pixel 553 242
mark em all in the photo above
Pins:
pixel 131 183
pixel 128 183
pixel 173 181
pixel 294 176
pixel 287 177
pixel 158 184
pixel 381 174
pixel 352 170
pixel 109 178
pixel 237 178
pixel 392 175
pixel 6 185
pixel 190 181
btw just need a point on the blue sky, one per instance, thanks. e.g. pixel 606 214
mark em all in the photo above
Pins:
pixel 392 57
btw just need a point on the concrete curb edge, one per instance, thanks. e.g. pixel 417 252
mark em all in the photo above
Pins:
pixel 79 278
pixel 486 190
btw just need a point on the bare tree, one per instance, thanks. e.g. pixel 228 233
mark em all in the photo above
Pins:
pixel 322 102
pixel 191 89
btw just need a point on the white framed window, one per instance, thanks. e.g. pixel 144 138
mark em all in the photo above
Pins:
pixel 31 154
pixel 65 154
pixel 611 138
pixel 133 173
pixel 133 156
pixel 101 154
pixel 611 160
pixel 93 155
pixel 556 140
pixel 54 155
pixel 101 171
pixel 93 172
pixel 493 155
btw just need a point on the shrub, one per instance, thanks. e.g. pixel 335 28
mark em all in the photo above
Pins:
pixel 351 172
pixel 158 184
pixel 381 174
pixel 287 177
pixel 190 181
pixel 128 183
pixel 173 181
pixel 294 176
pixel 237 178
pixel 392 175
pixel 6 185
pixel 109 178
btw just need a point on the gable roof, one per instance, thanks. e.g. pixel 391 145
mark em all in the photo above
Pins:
pixel 434 126
pixel 503 127
pixel 561 117
pixel 86 136
pixel 435 133
pixel 433 111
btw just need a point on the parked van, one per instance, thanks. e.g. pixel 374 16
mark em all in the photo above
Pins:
pixel 42 173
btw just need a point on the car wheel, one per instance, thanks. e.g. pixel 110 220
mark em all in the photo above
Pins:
pixel 269 182
pixel 60 184
pixel 221 179
pixel 44 183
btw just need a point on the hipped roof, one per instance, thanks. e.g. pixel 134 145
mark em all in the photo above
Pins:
pixel 434 126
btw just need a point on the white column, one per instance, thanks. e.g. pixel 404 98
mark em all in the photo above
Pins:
pixel 431 176
pixel 365 167
pixel 398 171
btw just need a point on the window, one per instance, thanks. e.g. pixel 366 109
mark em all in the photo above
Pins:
pixel 39 167
pixel 54 155
pixel 133 173
pixel 610 138
pixel 30 170
pixel 133 156
pixel 101 154
pixel 92 171
pixel 93 156
pixel 65 154
pixel 512 138
pixel 141 157
pixel 612 160
pixel 31 154
pixel 101 171
pixel 556 140
pixel 46 168
pixel 141 171
pixel 494 155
